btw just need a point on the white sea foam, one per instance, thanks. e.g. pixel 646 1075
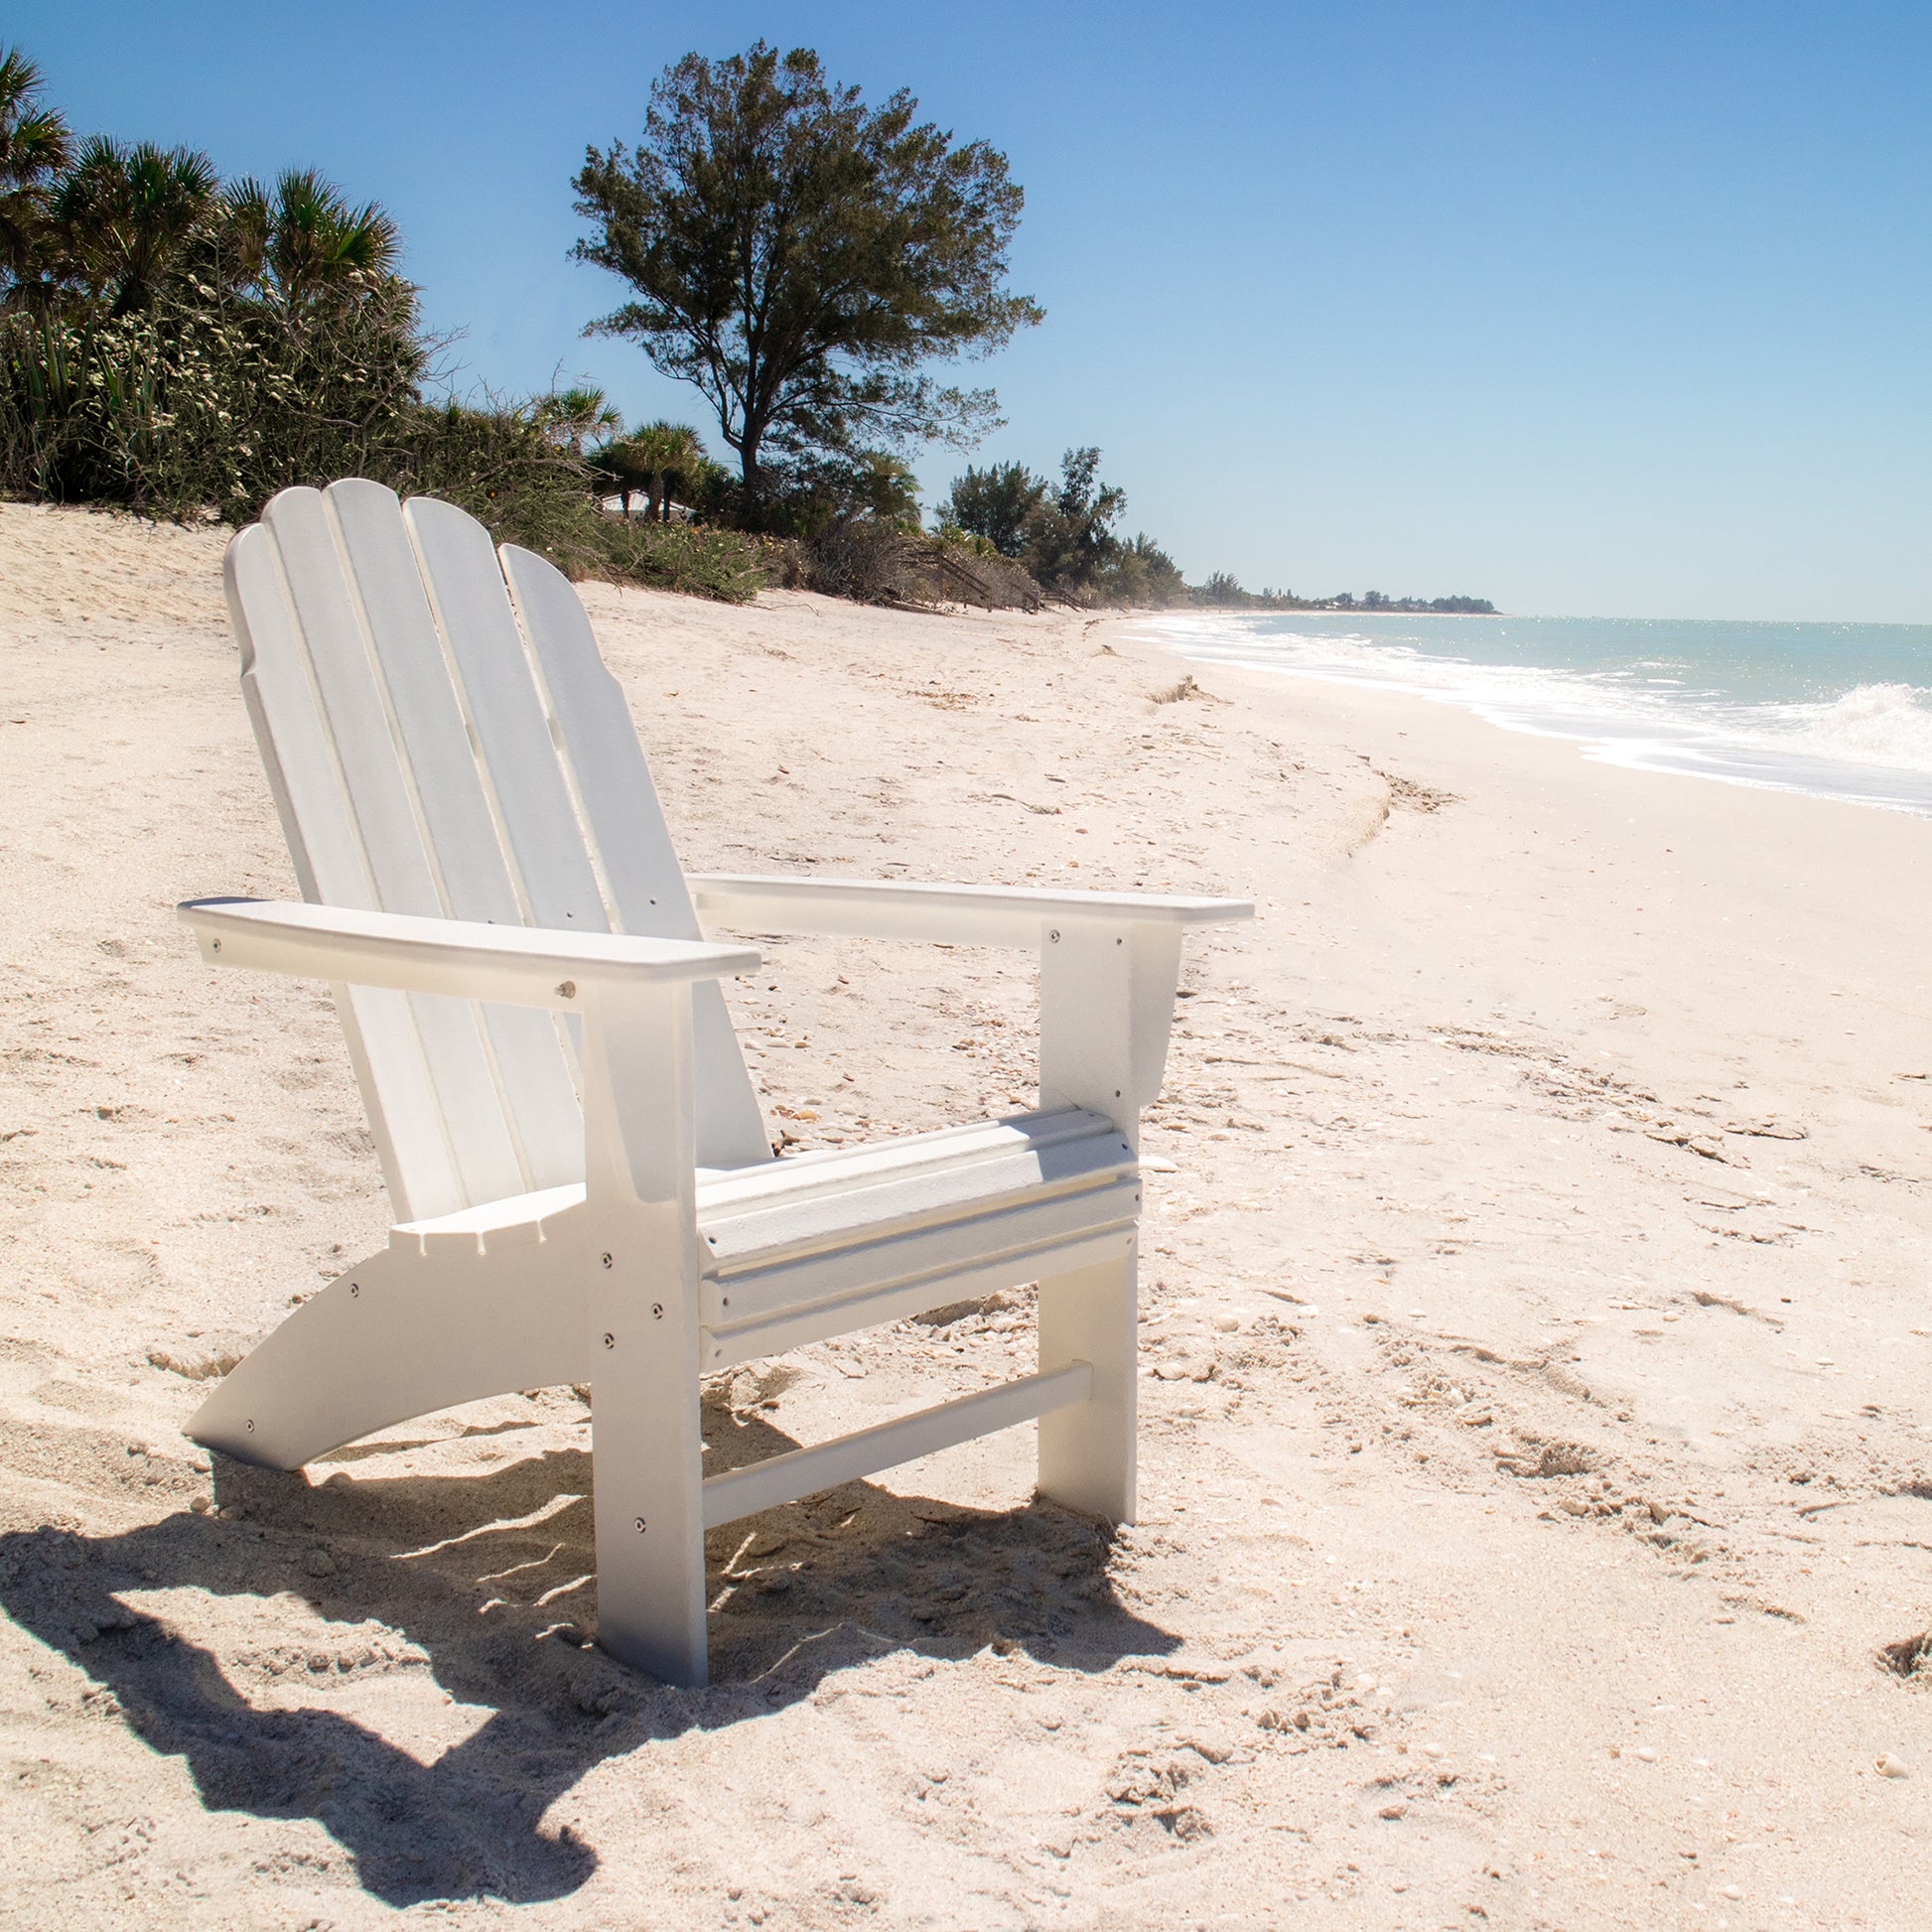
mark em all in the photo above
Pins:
pixel 1871 723
pixel 1692 708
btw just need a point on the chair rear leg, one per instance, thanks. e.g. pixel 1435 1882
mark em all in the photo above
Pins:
pixel 398 1335
pixel 1088 1451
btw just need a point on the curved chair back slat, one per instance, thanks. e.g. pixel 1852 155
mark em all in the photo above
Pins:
pixel 433 752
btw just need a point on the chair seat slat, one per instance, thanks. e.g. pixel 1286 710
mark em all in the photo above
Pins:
pixel 817 1207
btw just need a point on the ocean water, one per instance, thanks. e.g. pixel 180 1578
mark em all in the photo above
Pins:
pixel 1839 710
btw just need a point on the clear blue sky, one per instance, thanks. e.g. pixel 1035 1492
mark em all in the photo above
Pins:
pixel 1607 309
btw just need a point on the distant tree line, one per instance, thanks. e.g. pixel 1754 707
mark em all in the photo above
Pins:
pixel 1063 533
pixel 1223 588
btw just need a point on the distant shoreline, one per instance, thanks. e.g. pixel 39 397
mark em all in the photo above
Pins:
pixel 1406 607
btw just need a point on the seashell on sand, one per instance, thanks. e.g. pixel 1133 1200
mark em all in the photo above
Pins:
pixel 1890 1766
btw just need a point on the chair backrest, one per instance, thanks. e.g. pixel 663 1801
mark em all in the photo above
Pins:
pixel 441 737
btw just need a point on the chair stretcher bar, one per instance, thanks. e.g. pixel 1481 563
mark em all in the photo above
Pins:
pixel 804 1472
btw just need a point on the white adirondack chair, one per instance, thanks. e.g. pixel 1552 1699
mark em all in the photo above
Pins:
pixel 481 852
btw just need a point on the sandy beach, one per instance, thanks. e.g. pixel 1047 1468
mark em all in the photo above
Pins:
pixel 1537 1521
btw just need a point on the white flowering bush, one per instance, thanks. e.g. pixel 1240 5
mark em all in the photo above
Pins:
pixel 202 404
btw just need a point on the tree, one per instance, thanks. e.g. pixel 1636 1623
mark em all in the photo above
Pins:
pixel 995 504
pixel 797 256
pixel 567 416
pixel 36 147
pixel 1070 534
pixel 124 215
pixel 300 241
pixel 648 459
pixel 1142 572
pixel 1063 533
pixel 884 486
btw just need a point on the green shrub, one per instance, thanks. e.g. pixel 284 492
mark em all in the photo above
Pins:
pixel 207 407
pixel 728 565
pixel 1061 535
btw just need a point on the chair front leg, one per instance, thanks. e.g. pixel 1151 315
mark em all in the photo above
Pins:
pixel 641 1252
pixel 1106 1006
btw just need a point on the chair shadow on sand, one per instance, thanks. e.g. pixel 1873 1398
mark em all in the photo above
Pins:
pixel 460 1567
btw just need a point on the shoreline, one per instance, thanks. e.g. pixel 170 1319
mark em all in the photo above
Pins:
pixel 1534 1426
pixel 1677 743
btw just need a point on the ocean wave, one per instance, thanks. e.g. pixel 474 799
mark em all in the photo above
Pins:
pixel 1684 710
pixel 1871 723
pixel 1541 698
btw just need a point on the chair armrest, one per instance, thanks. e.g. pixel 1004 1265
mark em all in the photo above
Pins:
pixel 516 965
pixel 963 916
pixel 1109 961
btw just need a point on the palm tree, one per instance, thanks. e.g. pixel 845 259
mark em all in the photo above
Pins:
pixel 648 457
pixel 297 241
pixel 610 472
pixel 567 416
pixel 124 215
pixel 886 486
pixel 36 147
